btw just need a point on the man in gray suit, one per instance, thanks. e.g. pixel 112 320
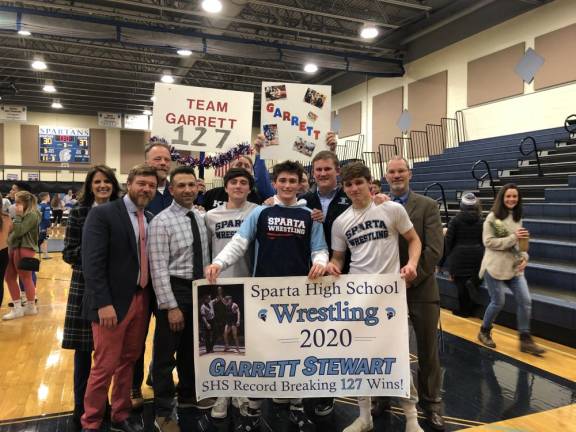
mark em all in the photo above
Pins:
pixel 423 295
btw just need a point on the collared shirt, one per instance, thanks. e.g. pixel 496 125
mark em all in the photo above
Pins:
pixel 325 200
pixel 170 250
pixel 402 198
pixel 132 209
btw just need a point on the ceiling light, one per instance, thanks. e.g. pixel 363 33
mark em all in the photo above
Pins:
pixel 153 98
pixel 167 78
pixel 147 112
pixel 184 52
pixel 310 68
pixel 212 6
pixel 49 86
pixel 369 31
pixel 39 65
pixel 56 104
pixel 24 33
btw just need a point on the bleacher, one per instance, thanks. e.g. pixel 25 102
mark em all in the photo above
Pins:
pixel 550 214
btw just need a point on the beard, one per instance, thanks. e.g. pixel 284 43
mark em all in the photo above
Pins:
pixel 140 199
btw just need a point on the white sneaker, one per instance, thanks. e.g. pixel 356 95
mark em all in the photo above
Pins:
pixel 360 425
pixel 16 312
pixel 30 309
pixel 220 408
pixel 412 425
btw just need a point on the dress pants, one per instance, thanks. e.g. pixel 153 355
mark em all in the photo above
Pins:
pixel 424 318
pixel 173 349
pixel 115 351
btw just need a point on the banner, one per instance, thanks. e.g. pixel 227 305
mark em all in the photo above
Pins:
pixel 13 112
pixel 290 337
pixel 294 119
pixel 202 119
pixel 110 119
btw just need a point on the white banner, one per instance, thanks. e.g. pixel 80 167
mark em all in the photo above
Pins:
pixel 13 112
pixel 136 121
pixel 298 338
pixel 110 119
pixel 294 119
pixel 202 119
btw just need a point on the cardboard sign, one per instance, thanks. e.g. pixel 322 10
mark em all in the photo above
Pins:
pixel 294 120
pixel 301 338
pixel 202 119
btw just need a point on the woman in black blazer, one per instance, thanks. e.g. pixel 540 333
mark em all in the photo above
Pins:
pixel 99 187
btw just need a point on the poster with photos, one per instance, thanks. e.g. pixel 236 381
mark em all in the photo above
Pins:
pixel 294 120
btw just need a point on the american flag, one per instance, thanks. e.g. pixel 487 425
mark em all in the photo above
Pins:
pixel 221 170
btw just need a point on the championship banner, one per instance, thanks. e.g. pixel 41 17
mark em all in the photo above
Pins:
pixel 290 337
pixel 294 119
pixel 202 119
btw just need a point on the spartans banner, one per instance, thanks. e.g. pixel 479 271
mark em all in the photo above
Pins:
pixel 290 337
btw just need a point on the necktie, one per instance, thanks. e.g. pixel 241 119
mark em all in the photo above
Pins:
pixel 198 266
pixel 143 280
pixel 398 200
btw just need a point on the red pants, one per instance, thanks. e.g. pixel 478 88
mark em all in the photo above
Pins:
pixel 115 352
pixel 15 255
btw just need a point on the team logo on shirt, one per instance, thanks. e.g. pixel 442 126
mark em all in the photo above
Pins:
pixel 284 225
pixel 356 235
pixel 227 229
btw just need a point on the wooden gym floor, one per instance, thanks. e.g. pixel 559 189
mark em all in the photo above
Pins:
pixel 484 390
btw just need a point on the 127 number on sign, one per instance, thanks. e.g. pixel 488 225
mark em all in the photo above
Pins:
pixel 196 141
pixel 330 338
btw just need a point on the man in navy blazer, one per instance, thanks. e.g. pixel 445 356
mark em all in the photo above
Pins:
pixel 116 298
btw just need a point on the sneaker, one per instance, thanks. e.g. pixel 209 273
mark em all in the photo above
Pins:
pixel 220 408
pixel 166 424
pixel 486 339
pixel 360 425
pixel 528 345
pixel 324 407
pixel 248 424
pixel 16 312
pixel 46 257
pixel 300 419
pixel 30 309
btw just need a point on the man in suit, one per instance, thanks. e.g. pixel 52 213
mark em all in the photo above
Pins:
pixel 116 298
pixel 157 155
pixel 423 295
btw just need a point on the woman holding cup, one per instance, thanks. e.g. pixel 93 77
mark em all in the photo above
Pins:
pixel 503 264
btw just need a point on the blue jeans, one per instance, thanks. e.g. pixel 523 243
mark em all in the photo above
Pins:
pixel 496 289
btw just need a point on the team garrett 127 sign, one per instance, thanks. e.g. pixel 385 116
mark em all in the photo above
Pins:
pixel 202 119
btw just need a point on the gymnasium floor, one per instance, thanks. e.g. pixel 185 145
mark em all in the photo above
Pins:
pixel 484 390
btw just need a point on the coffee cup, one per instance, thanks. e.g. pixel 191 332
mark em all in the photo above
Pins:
pixel 523 244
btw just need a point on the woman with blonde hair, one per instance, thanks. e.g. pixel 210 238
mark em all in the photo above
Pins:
pixel 22 243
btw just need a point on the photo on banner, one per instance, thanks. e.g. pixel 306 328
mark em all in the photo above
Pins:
pixel 202 119
pixel 294 119
pixel 289 337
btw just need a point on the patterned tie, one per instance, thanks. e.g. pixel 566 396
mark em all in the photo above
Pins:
pixel 197 262
pixel 143 281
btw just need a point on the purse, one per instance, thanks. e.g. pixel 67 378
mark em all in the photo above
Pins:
pixel 29 264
